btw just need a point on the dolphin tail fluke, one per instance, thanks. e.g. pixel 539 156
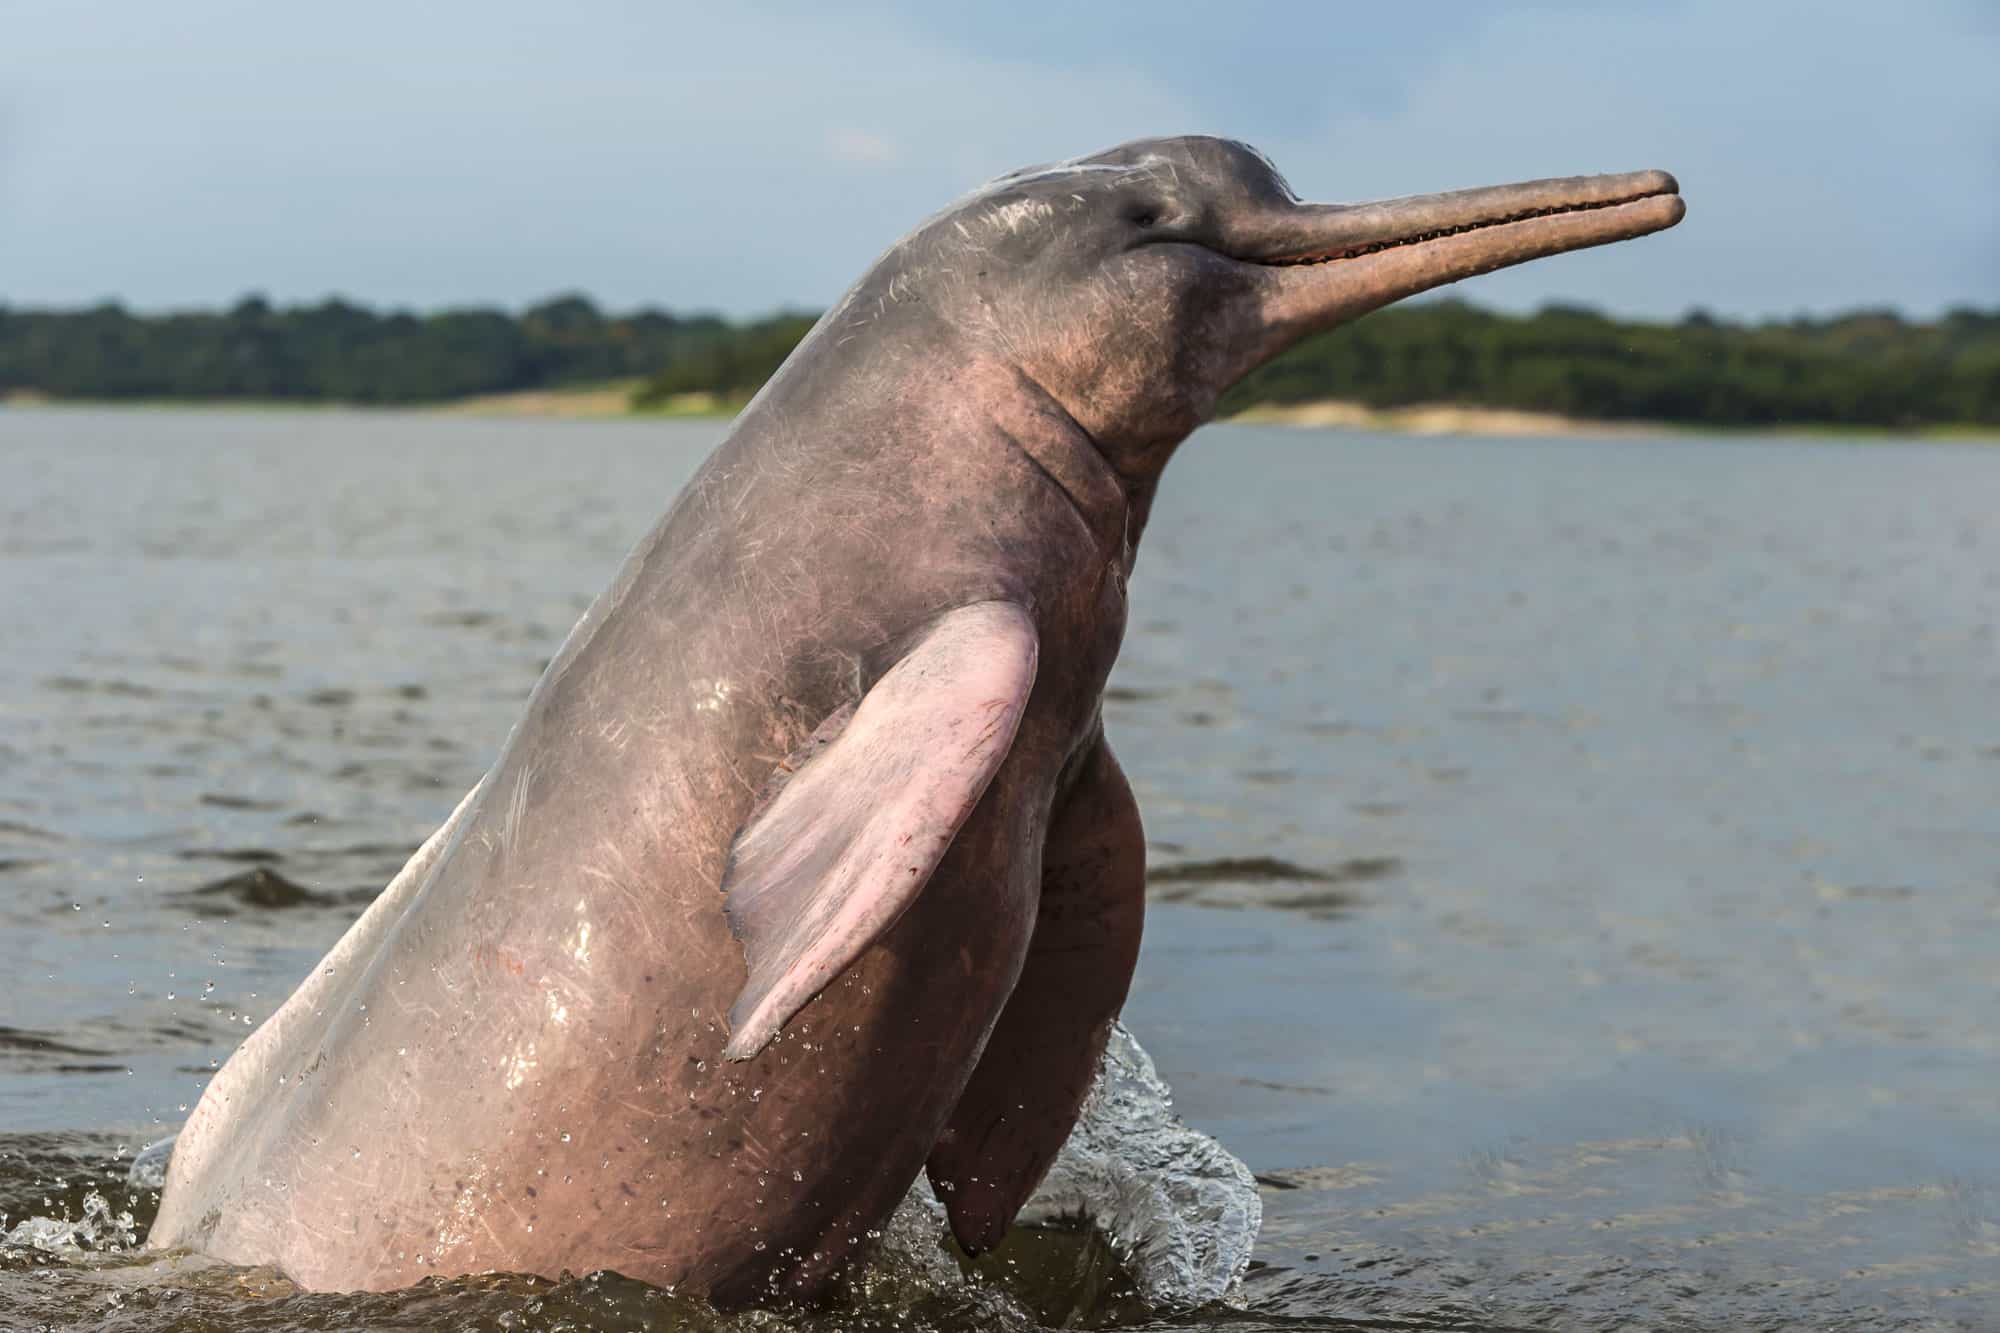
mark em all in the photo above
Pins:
pixel 1017 1111
pixel 829 864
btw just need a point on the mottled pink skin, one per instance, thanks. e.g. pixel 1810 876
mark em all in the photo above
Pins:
pixel 515 1059
pixel 571 942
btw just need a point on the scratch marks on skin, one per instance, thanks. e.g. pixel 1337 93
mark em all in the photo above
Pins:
pixel 300 1221
pixel 790 580
pixel 498 1244
pixel 741 495
pixel 1113 174
pixel 517 811
pixel 736 771
pixel 1017 214
pixel 618 882
pixel 403 1006
pixel 755 1151
pixel 997 716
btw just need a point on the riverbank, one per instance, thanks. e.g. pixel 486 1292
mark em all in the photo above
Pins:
pixel 588 401
pixel 1438 419
pixel 613 401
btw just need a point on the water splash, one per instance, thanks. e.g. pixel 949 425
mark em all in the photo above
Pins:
pixel 95 1230
pixel 149 1165
pixel 1181 1211
pixel 1178 1209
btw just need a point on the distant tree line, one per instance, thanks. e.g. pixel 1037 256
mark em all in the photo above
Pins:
pixel 731 368
pixel 339 352
pixel 1871 368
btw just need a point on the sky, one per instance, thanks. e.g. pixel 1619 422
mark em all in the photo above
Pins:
pixel 747 157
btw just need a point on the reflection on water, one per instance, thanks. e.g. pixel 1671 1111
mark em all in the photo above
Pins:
pixel 1577 864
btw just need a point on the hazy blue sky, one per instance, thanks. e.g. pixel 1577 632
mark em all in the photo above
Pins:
pixel 737 157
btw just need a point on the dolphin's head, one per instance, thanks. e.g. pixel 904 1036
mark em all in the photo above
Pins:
pixel 1136 285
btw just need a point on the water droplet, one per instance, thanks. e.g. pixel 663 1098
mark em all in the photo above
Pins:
pixel 760 1247
pixel 565 1136
pixel 798 1175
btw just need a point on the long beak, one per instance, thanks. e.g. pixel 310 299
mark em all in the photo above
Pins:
pixel 1332 262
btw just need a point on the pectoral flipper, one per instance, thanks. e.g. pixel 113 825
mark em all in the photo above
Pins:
pixel 828 865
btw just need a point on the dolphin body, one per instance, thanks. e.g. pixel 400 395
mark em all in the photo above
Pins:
pixel 808 867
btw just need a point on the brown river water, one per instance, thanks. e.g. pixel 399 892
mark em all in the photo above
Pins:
pixel 1575 864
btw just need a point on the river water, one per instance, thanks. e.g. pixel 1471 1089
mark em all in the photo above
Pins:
pixel 1575 863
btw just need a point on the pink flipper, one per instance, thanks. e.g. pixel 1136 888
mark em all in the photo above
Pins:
pixel 849 841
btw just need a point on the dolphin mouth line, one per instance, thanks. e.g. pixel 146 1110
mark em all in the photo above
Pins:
pixel 1376 247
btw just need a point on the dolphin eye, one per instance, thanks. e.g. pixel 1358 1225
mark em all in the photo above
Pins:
pixel 1142 215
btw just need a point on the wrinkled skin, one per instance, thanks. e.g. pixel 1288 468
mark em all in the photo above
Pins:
pixel 516 1058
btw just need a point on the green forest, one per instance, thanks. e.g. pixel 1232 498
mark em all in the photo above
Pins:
pixel 1865 369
